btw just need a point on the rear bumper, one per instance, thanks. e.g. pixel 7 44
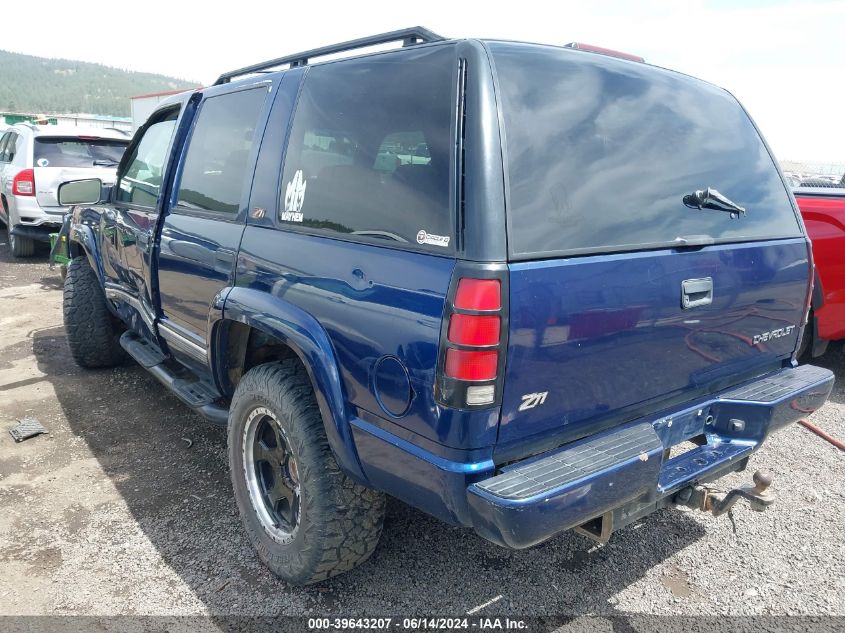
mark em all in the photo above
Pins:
pixel 620 473
pixel 39 233
pixel 623 470
pixel 29 219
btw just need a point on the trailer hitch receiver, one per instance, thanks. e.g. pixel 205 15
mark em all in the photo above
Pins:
pixel 717 502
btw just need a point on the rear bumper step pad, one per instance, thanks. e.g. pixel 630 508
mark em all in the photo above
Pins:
pixel 584 460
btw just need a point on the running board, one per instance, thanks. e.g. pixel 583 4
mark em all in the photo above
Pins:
pixel 146 354
pixel 199 396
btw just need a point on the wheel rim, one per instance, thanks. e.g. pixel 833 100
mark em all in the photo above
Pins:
pixel 272 475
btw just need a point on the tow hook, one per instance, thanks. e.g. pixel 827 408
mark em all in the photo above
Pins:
pixel 718 502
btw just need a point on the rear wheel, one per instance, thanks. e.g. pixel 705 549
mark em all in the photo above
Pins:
pixel 20 246
pixel 93 332
pixel 306 519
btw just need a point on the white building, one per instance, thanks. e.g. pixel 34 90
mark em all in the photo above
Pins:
pixel 144 105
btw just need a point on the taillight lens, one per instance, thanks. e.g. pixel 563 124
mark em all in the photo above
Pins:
pixel 24 183
pixel 472 344
pixel 479 294
pixel 471 365
pixel 470 329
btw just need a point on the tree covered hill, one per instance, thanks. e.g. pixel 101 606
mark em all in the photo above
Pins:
pixel 57 86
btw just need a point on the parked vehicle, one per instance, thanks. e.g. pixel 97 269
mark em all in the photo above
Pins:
pixel 320 258
pixel 823 209
pixel 818 182
pixel 34 159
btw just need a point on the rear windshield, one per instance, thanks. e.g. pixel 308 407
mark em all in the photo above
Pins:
pixel 601 153
pixel 78 152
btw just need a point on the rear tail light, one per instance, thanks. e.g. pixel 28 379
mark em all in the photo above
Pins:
pixel 471 329
pixel 479 294
pixel 467 365
pixel 24 183
pixel 472 340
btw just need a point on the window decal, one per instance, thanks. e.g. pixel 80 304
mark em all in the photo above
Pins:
pixel 432 240
pixel 294 197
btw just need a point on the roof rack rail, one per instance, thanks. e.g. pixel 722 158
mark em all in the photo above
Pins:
pixel 409 36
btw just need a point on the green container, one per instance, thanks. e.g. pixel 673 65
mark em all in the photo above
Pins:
pixel 60 256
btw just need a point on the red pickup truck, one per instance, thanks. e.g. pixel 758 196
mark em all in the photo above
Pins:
pixel 823 209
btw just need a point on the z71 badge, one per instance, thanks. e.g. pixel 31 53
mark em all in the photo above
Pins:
pixel 768 336
pixel 531 400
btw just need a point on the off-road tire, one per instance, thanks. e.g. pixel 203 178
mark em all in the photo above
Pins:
pixel 20 246
pixel 340 521
pixel 93 332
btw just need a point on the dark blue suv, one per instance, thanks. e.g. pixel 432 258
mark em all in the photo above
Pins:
pixel 523 288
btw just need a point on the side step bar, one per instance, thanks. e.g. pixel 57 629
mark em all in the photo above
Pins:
pixel 198 395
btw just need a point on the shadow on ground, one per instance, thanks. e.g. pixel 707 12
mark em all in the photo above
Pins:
pixel 180 497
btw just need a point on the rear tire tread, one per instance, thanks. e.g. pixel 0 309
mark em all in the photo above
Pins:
pixel 20 246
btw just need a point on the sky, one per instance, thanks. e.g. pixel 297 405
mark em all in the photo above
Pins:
pixel 785 60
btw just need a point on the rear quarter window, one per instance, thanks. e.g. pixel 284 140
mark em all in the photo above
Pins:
pixel 370 151
pixel 601 152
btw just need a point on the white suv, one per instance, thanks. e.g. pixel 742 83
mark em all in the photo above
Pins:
pixel 34 160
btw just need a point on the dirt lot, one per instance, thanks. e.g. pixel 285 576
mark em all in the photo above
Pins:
pixel 125 508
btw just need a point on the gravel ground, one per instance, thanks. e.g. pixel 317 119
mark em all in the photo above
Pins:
pixel 114 513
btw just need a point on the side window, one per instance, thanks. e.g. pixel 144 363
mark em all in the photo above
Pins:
pixel 218 153
pixel 370 149
pixel 140 181
pixel 10 150
pixel 3 140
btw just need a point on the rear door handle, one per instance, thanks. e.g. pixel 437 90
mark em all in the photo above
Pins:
pixel 696 292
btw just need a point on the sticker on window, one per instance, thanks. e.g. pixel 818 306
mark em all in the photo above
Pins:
pixel 42 162
pixel 294 198
pixel 432 240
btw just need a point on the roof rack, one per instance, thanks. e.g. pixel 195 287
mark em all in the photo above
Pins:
pixel 409 37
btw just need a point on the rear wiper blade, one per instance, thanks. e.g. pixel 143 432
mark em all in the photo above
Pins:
pixel 712 199
pixel 106 163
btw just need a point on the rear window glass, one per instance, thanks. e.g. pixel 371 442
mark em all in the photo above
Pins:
pixel 602 152
pixel 77 152
pixel 370 153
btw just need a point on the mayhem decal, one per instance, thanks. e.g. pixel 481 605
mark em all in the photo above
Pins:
pixel 294 197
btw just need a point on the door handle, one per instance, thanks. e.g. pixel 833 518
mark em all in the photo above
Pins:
pixel 696 292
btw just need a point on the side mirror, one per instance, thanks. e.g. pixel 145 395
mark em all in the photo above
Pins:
pixel 89 191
